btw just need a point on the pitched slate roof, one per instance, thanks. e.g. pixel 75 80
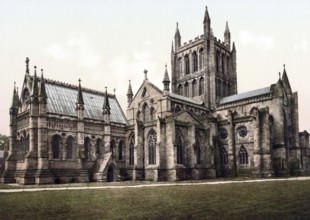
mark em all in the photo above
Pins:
pixel 61 99
pixel 245 95
pixel 185 99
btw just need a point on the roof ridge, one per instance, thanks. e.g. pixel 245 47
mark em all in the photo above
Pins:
pixel 68 85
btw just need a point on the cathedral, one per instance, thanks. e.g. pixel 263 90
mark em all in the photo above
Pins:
pixel 195 126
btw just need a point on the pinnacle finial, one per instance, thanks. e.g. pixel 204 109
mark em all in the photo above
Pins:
pixel 80 80
pixel 145 74
pixel 27 65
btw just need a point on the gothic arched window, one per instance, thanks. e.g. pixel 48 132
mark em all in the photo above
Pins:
pixel 179 145
pixel 180 67
pixel 177 109
pixel 195 61
pixel 198 149
pixel 138 116
pixel 186 59
pixel 56 147
pixel 223 156
pixel 227 65
pixel 120 150
pixel 201 86
pixel 69 144
pixel 194 88
pixel 223 65
pixel 180 89
pixel 146 112
pixel 112 147
pixel 87 148
pixel 200 58
pixel 217 62
pixel 152 147
pixel 131 149
pixel 243 155
pixel 98 146
pixel 186 89
pixel 152 113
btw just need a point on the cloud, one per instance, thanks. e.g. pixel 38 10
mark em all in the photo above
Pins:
pixel 258 41
pixel 79 50
pixel 302 46
pixel 134 64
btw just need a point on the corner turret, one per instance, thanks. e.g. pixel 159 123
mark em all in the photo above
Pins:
pixel 27 65
pixel 227 36
pixel 15 100
pixel 35 87
pixel 166 81
pixel 177 38
pixel 207 24
pixel 129 93
pixel 42 91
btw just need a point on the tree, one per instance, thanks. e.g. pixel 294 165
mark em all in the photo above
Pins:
pixel 4 141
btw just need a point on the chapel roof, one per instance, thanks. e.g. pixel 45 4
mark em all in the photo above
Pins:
pixel 62 97
pixel 185 99
pixel 245 95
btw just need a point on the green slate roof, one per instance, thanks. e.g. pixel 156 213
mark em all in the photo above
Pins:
pixel 61 99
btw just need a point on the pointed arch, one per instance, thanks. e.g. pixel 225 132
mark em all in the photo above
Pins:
pixel 201 58
pixel 186 89
pixel 180 147
pixel 195 61
pixel 194 88
pixel 87 148
pixel 201 86
pixel 217 62
pixel 198 148
pixel 223 156
pixel 112 147
pixel 186 63
pixel 120 150
pixel 146 112
pixel 131 148
pixel 56 146
pixel 98 146
pixel 69 145
pixel 223 64
pixel 152 113
pixel 177 109
pixel 145 93
pixel 152 147
pixel 180 67
pixel 180 89
pixel 138 116
pixel 243 155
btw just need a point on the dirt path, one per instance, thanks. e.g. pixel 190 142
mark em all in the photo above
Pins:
pixel 151 185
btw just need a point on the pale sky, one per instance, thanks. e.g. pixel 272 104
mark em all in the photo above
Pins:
pixel 106 43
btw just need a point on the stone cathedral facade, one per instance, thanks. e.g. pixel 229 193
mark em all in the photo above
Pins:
pixel 196 126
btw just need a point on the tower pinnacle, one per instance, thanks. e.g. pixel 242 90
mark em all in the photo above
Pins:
pixel 207 24
pixel 177 37
pixel 27 65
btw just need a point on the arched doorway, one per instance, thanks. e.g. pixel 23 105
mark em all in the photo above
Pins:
pixel 110 174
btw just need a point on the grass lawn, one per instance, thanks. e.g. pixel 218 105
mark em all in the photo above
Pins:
pixel 264 200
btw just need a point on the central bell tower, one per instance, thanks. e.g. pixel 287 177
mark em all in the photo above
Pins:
pixel 204 68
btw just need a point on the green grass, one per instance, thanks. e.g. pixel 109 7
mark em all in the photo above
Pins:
pixel 268 200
